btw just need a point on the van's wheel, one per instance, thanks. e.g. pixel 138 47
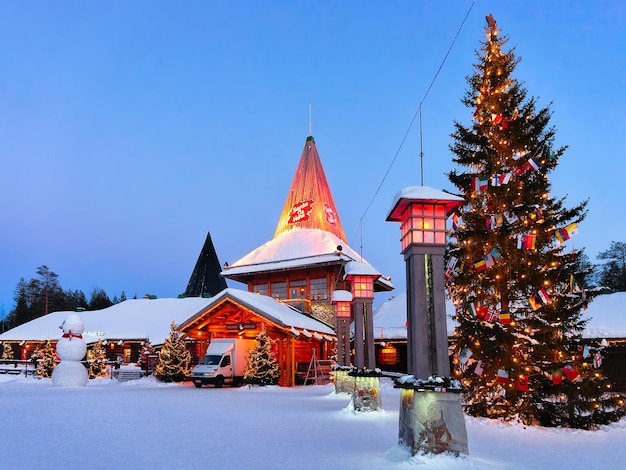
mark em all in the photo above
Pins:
pixel 198 385
pixel 219 381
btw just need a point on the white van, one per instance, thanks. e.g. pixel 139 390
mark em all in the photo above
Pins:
pixel 223 363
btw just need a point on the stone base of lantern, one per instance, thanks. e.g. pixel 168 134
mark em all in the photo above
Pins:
pixel 343 382
pixel 432 422
pixel 366 395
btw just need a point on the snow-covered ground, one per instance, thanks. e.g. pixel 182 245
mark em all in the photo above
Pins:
pixel 144 424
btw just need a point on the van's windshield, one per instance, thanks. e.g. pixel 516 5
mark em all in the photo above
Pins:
pixel 211 360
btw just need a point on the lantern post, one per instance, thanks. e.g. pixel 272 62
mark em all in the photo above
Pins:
pixel 431 417
pixel 366 394
pixel 361 277
pixel 342 300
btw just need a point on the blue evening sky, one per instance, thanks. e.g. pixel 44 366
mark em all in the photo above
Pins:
pixel 128 130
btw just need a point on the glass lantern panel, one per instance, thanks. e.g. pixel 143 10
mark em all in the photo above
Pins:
pixel 363 286
pixel 342 309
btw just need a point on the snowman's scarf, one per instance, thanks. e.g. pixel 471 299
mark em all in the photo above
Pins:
pixel 71 335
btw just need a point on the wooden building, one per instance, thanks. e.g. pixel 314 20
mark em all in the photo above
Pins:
pixel 234 313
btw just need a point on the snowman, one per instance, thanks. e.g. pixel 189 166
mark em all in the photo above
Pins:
pixel 71 349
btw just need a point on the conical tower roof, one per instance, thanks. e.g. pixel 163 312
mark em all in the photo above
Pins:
pixel 206 278
pixel 309 203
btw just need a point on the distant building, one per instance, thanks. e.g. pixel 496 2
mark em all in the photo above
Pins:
pixel 206 279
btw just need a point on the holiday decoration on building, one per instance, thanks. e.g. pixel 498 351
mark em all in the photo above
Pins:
pixel 46 360
pixel 7 351
pixel 71 349
pixel 146 351
pixel 97 357
pixel 309 202
pixel 518 340
pixel 174 358
pixel 262 367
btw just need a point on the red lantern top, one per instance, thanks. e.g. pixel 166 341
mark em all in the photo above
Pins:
pixel 342 299
pixel 361 276
pixel 423 212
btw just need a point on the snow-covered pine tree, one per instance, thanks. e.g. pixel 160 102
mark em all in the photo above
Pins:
pixel 174 358
pixel 97 361
pixel 47 361
pixel 262 368
pixel 518 346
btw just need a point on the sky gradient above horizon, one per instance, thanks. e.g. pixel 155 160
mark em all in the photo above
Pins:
pixel 129 131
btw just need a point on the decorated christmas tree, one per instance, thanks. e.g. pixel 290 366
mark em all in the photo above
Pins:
pixel 518 292
pixel 146 350
pixel 97 361
pixel 174 358
pixel 262 367
pixel 47 361
pixel 7 351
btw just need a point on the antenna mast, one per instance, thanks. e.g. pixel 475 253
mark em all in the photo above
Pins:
pixel 310 121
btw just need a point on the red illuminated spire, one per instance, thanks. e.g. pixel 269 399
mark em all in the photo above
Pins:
pixel 309 203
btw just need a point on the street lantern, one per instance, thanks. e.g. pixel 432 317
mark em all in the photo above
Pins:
pixel 362 286
pixel 361 277
pixel 422 212
pixel 342 300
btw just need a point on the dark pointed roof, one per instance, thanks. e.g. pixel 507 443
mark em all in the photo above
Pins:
pixel 206 278
pixel 309 203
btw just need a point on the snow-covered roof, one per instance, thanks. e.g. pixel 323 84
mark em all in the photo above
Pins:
pixel 341 296
pixel 390 318
pixel 280 313
pixel 151 319
pixel 132 319
pixel 606 314
pixel 358 268
pixel 421 193
pixel 291 249
pixel 297 248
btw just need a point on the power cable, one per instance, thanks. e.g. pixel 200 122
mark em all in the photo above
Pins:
pixel 418 112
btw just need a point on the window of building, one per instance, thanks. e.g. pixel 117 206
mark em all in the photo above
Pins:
pixel 318 289
pixel 389 355
pixel 297 289
pixel 279 290
pixel 260 289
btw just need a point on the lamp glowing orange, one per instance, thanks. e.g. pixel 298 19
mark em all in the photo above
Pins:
pixel 342 300
pixel 423 212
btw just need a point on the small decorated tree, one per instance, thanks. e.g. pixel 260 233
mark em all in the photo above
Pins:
pixel 47 363
pixel 262 368
pixel 97 362
pixel 146 350
pixel 174 358
pixel 7 351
